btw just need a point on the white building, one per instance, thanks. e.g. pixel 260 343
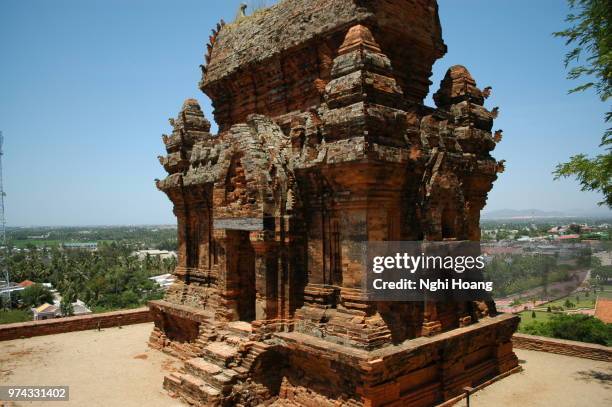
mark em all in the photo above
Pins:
pixel 164 280
pixel 162 254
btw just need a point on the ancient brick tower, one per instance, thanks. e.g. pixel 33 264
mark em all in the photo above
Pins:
pixel 324 142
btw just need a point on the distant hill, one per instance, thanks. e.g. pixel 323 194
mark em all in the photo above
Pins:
pixel 538 213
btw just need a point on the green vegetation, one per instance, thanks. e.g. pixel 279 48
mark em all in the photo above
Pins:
pixel 109 277
pixel 15 315
pixel 517 273
pixel 575 327
pixel 527 317
pixel 29 243
pixel 137 237
pixel 604 292
pixel 512 229
pixel 602 273
pixel 106 279
pixel 35 295
pixel 594 174
pixel 581 302
pixel 590 34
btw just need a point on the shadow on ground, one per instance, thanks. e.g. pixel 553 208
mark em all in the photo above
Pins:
pixel 593 375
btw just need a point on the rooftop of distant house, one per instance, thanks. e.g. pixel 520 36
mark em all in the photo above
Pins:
pixel 567 237
pixel 46 307
pixel 163 254
pixel 80 245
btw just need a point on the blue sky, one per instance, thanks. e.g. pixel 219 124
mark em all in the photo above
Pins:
pixel 86 88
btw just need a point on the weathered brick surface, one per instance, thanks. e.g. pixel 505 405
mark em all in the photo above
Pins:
pixel 71 324
pixel 324 143
pixel 290 46
pixel 563 347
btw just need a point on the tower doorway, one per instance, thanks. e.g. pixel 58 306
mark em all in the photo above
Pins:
pixel 241 274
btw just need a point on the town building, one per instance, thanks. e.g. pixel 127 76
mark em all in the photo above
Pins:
pixel 92 246
pixel 162 254
pixel 164 280
pixel 45 311
pixel 49 311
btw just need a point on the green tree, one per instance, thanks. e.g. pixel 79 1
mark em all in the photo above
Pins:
pixel 35 295
pixel 68 298
pixel 590 35
pixel 168 244
pixel 576 327
pixel 602 274
pixel 108 278
pixel 66 307
pixel 129 299
pixel 8 302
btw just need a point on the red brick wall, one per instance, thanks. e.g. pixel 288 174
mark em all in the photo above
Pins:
pixel 78 323
pixel 563 347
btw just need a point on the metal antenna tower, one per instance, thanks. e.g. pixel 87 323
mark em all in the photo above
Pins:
pixel 3 226
pixel 2 195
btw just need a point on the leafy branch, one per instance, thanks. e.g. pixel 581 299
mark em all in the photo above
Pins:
pixel 591 38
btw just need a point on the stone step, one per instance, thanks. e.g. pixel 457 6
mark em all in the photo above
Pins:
pixel 250 357
pixel 225 380
pixel 202 368
pixel 235 340
pixel 255 351
pixel 241 371
pixel 207 338
pixel 192 389
pixel 247 364
pixel 216 376
pixel 220 353
pixel 260 347
pixel 240 328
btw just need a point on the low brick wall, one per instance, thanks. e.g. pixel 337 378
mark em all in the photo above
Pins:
pixel 71 324
pixel 562 347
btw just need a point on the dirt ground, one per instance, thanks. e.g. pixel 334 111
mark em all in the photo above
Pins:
pixel 550 380
pixel 114 367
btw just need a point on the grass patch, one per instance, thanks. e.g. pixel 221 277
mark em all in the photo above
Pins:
pixel 607 293
pixel 14 315
pixel 22 244
pixel 98 309
pixel 526 317
pixel 584 302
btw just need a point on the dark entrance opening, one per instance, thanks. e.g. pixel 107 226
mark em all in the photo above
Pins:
pixel 241 272
pixel 449 218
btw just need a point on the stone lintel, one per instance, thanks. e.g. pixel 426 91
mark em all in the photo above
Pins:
pixel 250 224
